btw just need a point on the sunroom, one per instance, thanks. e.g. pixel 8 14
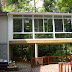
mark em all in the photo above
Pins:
pixel 33 26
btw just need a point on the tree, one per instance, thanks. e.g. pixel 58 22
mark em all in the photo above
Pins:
pixel 49 5
pixel 17 6
pixel 64 6
pixel 0 6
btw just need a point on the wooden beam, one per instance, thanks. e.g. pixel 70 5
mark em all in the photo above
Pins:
pixel 49 42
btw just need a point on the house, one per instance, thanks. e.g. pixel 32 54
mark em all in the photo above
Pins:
pixel 33 28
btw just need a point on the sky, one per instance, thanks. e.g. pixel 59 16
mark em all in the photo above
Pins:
pixel 39 3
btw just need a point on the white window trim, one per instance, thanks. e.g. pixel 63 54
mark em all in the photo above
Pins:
pixel 33 32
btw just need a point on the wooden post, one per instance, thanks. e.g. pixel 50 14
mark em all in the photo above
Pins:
pixel 48 59
pixel 60 67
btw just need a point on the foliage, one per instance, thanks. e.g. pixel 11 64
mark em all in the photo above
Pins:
pixel 63 6
pixel 26 55
pixel 43 50
pixel 23 5
pixel 49 5
pixel 53 50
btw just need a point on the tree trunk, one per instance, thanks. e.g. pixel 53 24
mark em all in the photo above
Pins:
pixel 34 5
pixel 16 2
pixel 22 51
pixel 60 49
pixel 66 51
pixel 0 6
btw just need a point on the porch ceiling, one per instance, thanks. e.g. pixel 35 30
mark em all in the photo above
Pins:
pixel 43 42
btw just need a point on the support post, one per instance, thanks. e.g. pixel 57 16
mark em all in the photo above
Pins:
pixel 36 50
pixel 36 53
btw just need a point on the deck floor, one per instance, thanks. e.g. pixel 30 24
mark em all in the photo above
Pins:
pixel 46 68
pixel 26 67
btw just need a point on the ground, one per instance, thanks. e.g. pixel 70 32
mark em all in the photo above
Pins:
pixel 26 67
pixel 46 68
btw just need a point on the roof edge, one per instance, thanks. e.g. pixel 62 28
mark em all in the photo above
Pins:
pixel 47 13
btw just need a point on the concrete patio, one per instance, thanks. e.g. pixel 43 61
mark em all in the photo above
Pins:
pixel 46 68
pixel 25 67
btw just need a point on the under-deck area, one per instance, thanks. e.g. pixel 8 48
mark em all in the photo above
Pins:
pixel 53 60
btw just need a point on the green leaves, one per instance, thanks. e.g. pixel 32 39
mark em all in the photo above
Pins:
pixel 63 6
pixel 19 5
pixel 9 1
pixel 49 5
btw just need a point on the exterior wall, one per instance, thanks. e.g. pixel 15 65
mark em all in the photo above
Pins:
pixel 3 29
pixel 3 38
pixel 3 51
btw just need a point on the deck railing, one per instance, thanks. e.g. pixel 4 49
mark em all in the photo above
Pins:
pixel 65 67
pixel 49 60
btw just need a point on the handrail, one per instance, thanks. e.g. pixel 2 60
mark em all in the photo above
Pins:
pixel 49 60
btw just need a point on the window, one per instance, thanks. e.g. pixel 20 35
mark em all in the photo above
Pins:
pixel 22 36
pixel 48 25
pixel 67 25
pixel 38 23
pixel 27 25
pixel 63 35
pixel 58 25
pixel 43 26
pixel 22 24
pixel 43 35
pixel 17 25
